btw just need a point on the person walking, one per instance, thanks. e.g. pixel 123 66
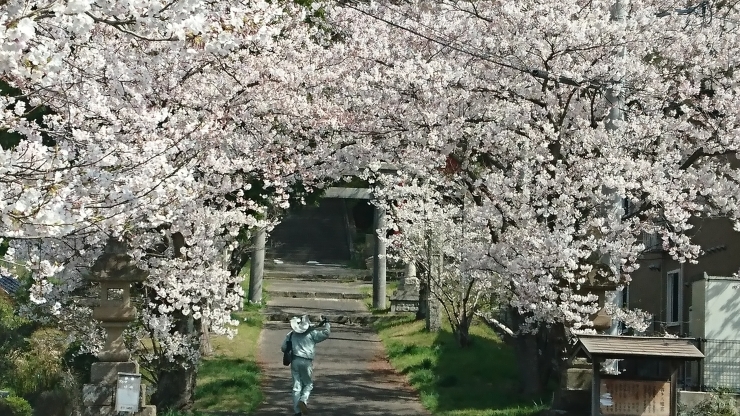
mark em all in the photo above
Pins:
pixel 303 339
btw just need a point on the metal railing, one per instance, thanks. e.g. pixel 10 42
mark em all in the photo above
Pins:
pixel 721 365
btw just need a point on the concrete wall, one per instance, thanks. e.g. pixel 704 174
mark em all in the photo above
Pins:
pixel 648 289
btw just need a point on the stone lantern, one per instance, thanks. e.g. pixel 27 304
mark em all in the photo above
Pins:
pixel 114 272
pixel 406 296
pixel 599 287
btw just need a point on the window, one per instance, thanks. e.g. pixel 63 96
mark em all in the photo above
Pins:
pixel 651 241
pixel 674 298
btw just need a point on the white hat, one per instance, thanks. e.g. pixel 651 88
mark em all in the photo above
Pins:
pixel 300 325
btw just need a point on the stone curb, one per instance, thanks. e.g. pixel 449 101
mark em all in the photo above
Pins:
pixel 314 295
pixel 317 277
pixel 322 278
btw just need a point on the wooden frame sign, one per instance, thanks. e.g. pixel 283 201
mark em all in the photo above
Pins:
pixel 619 397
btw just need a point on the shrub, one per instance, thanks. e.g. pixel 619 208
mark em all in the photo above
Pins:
pixel 15 406
pixel 79 363
pixel 53 403
pixel 38 367
pixel 714 405
pixel 13 333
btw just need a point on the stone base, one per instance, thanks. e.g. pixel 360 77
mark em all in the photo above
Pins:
pixel 405 300
pixel 110 411
pixel 100 400
pixel 99 397
pixel 107 372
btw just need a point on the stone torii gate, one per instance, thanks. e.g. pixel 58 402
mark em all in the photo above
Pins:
pixel 257 265
pixel 407 295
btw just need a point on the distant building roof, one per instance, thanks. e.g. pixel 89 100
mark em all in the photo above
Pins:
pixel 616 346
pixel 9 284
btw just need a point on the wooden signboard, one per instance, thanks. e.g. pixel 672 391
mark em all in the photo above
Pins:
pixel 635 398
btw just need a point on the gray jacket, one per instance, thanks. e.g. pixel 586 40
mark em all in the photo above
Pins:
pixel 304 344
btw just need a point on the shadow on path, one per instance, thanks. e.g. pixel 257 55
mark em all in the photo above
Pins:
pixel 351 376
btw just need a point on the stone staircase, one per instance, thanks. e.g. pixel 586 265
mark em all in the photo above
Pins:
pixel 334 292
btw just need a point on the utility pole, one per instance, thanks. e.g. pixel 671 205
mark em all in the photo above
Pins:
pixel 615 99
pixel 614 95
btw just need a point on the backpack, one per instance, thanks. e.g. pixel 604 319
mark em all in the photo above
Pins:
pixel 288 354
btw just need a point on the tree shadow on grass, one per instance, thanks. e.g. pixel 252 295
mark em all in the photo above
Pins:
pixel 228 384
pixel 390 321
pixel 482 379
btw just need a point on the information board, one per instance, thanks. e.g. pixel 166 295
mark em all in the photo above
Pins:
pixel 635 398
pixel 128 392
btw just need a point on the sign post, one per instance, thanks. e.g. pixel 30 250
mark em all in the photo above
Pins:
pixel 128 391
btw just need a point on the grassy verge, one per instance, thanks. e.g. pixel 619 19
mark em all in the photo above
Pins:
pixel 367 292
pixel 229 380
pixel 481 380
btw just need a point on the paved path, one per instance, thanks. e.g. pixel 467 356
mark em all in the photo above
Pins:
pixel 352 376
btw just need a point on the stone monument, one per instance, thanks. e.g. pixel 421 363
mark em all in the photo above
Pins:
pixel 114 272
pixel 406 296
pixel 433 313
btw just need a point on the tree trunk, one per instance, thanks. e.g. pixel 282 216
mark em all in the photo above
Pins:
pixel 175 388
pixel 462 332
pixel 527 358
pixel 421 312
pixel 538 355
pixel 176 383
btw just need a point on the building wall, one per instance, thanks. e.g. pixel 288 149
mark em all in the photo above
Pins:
pixel 648 289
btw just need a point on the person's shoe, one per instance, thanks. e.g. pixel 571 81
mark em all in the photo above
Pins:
pixel 303 407
pixel 297 414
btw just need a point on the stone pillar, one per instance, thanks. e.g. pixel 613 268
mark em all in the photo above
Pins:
pixel 257 266
pixel 432 308
pixel 406 297
pixel 379 260
pixel 433 313
pixel 114 272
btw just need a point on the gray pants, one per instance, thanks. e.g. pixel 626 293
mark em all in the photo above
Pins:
pixel 302 371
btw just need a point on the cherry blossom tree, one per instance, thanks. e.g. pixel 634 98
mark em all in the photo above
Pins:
pixel 519 95
pixel 162 116
pixel 517 130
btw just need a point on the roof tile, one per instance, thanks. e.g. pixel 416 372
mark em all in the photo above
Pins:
pixel 611 346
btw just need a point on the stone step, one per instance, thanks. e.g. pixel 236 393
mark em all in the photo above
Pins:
pixel 315 295
pixel 313 306
pixel 323 272
pixel 343 311
pixel 296 288
pixel 358 319
pixel 322 278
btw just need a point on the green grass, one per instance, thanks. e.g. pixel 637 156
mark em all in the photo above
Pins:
pixel 481 380
pixel 229 380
